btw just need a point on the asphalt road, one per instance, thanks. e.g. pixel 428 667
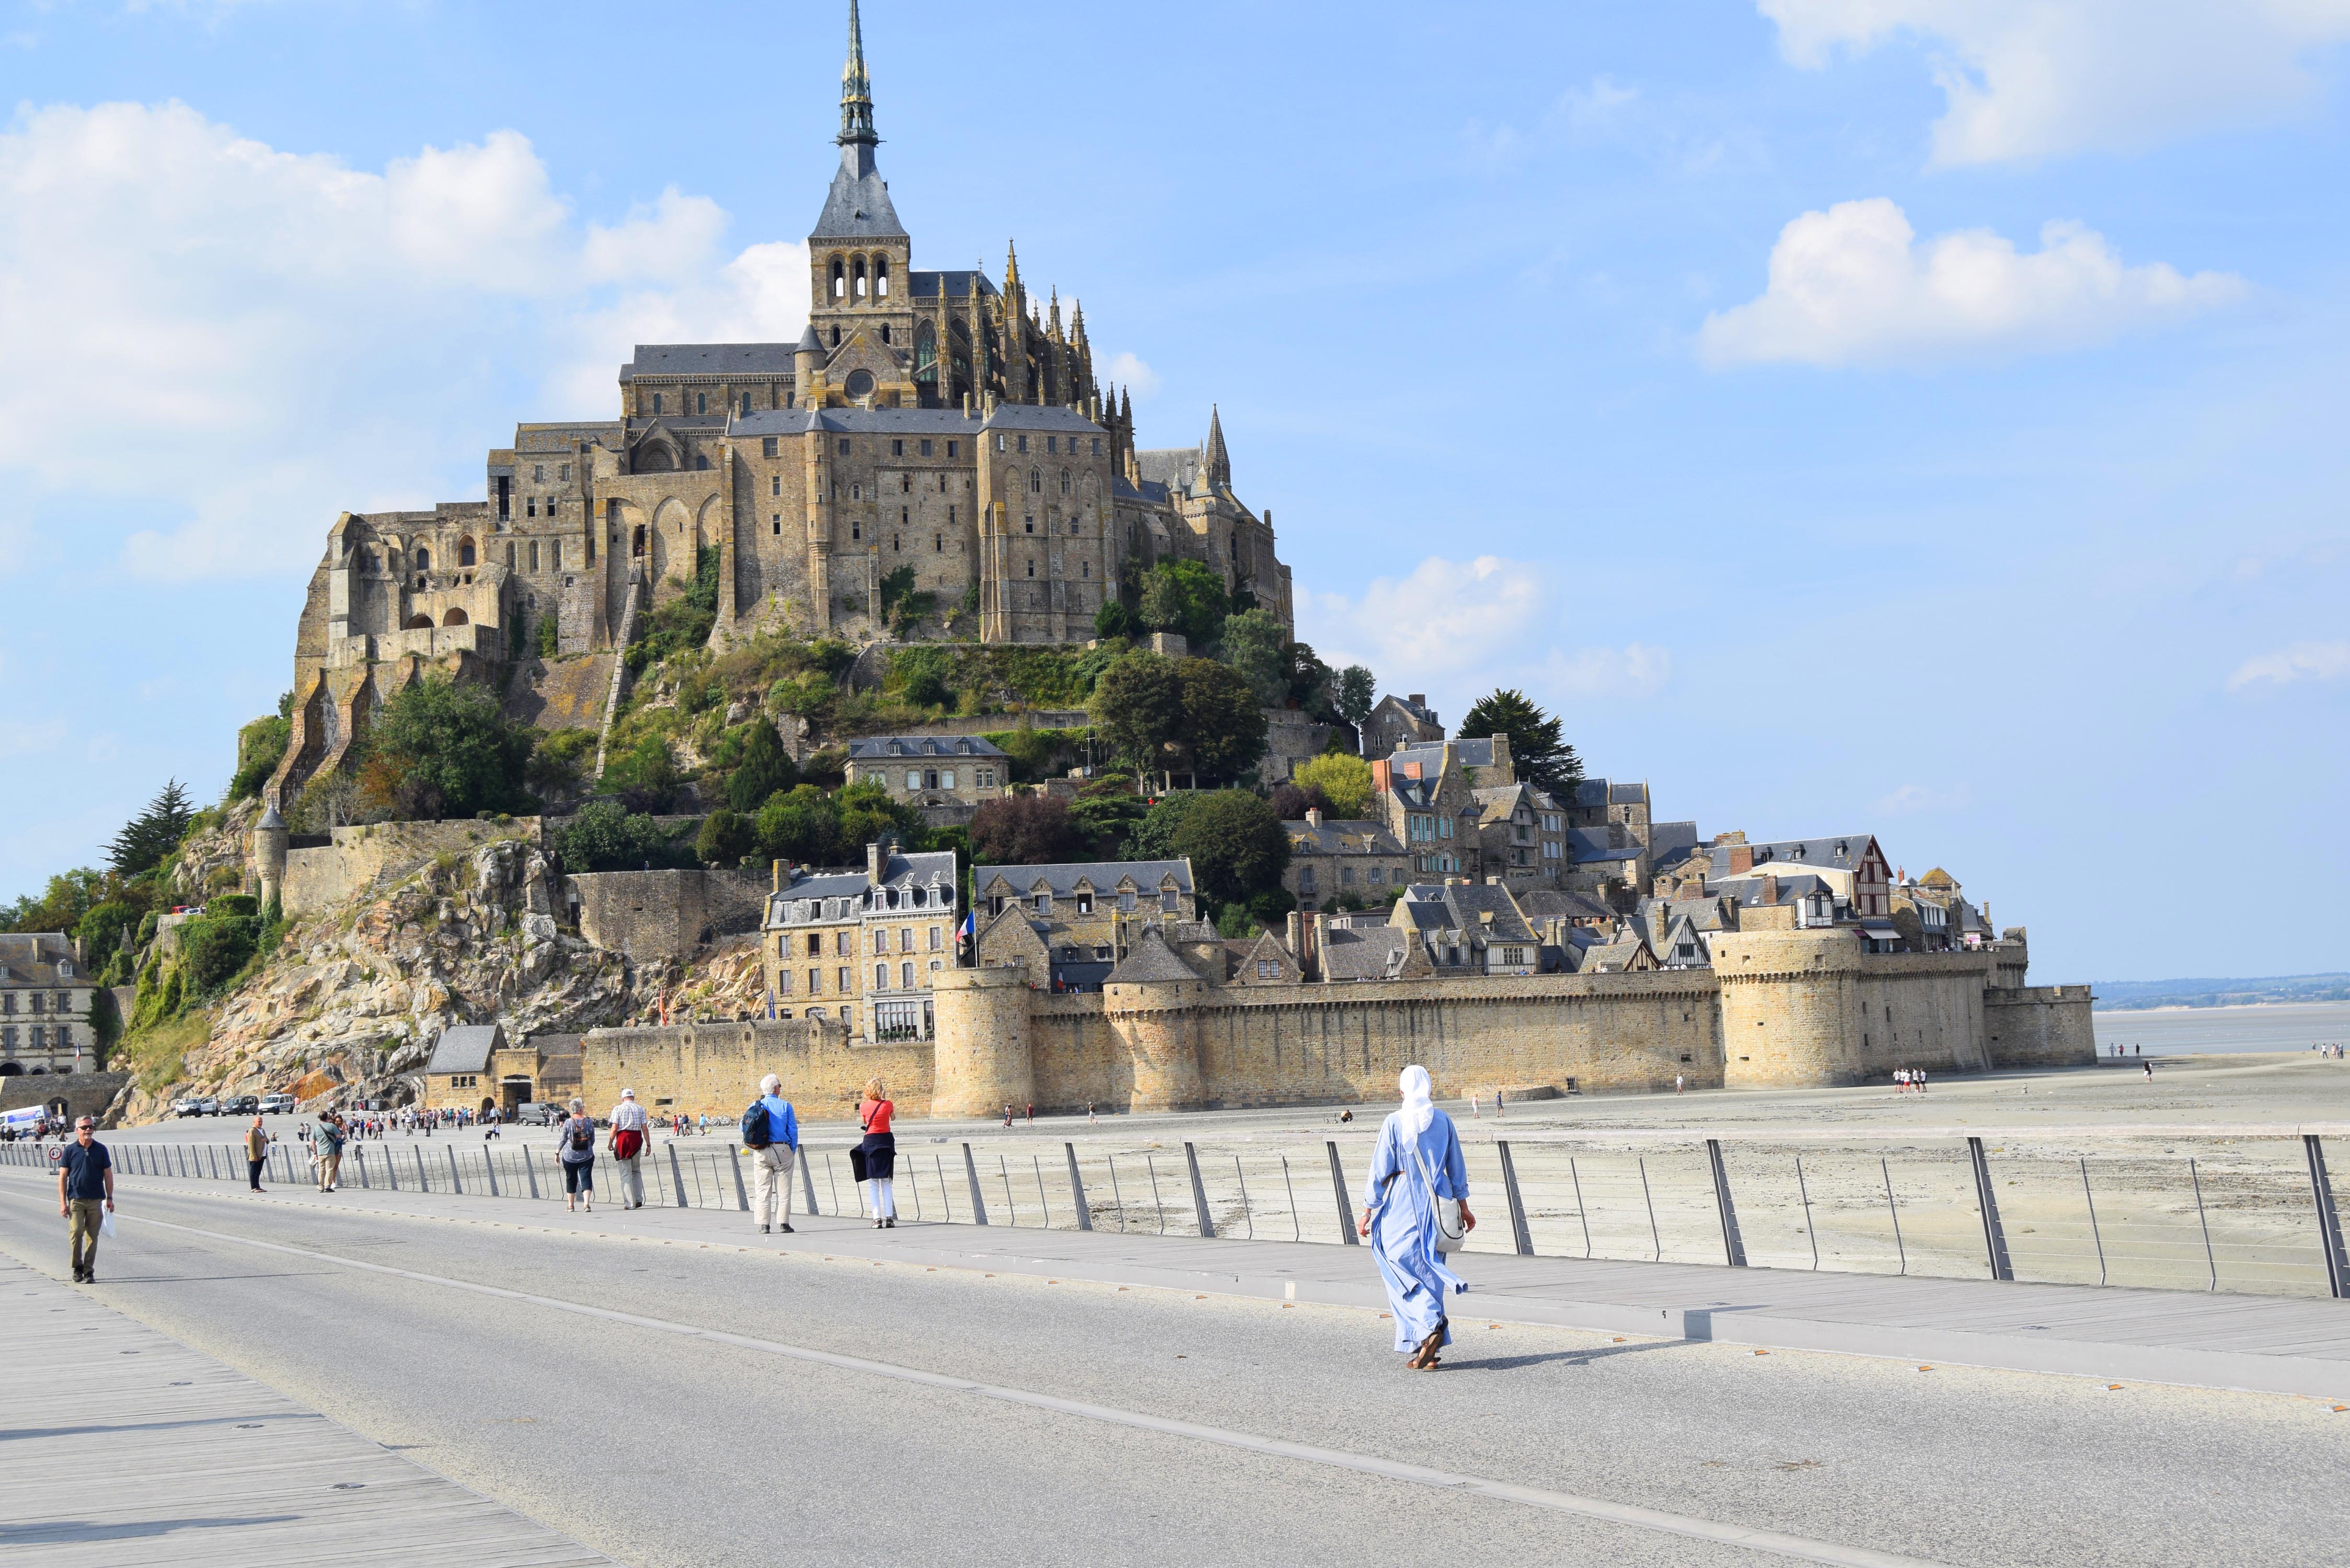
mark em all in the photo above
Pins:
pixel 854 1413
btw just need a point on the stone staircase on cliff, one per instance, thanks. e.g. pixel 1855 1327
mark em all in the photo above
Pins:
pixel 619 666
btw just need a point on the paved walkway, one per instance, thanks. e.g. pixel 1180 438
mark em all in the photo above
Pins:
pixel 124 1445
pixel 2260 1344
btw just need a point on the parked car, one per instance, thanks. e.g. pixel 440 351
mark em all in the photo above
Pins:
pixel 278 1105
pixel 188 1106
pixel 241 1105
pixel 208 1106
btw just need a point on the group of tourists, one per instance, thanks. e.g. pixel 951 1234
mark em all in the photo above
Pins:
pixel 1908 1080
pixel 2330 1049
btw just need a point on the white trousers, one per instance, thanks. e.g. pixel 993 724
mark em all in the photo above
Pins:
pixel 771 1185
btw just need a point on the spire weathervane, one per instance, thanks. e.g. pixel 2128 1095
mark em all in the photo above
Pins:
pixel 856 90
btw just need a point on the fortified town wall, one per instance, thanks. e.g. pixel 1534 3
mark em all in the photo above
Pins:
pixel 1792 1009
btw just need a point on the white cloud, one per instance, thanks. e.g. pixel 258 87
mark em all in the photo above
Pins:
pixel 1853 285
pixel 1483 623
pixel 1128 372
pixel 2029 79
pixel 2302 661
pixel 232 343
pixel 1912 798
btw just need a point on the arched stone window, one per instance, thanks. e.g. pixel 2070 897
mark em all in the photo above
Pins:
pixel 882 278
pixel 839 280
pixel 857 272
pixel 454 617
pixel 926 352
pixel 1064 482
pixel 638 546
pixel 466 551
pixel 420 621
pixel 1037 483
pixel 424 559
pixel 701 461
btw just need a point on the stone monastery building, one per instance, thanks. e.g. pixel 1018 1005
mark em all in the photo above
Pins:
pixel 939 421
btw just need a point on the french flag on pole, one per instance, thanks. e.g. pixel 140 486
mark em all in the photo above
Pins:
pixel 970 926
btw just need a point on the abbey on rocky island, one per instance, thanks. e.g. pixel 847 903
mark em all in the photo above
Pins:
pixel 931 422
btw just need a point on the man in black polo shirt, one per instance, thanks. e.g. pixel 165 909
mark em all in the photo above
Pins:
pixel 85 1191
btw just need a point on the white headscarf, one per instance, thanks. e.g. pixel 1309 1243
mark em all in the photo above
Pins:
pixel 1419 1109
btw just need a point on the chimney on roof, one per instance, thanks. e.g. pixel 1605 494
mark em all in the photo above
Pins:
pixel 776 870
pixel 1769 886
pixel 1295 935
pixel 1312 816
pixel 1322 946
pixel 1379 774
pixel 1493 881
pixel 1419 698
pixel 876 857
pixel 1741 859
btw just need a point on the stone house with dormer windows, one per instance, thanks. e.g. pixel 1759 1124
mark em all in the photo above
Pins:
pixel 1400 722
pixel 948 776
pixel 44 1006
pixel 1084 915
pixel 862 946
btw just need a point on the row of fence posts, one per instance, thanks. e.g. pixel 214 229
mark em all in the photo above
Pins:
pixel 206 1160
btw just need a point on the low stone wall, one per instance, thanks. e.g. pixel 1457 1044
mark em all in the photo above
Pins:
pixel 657 917
pixel 85 1094
pixel 359 856
pixel 715 1068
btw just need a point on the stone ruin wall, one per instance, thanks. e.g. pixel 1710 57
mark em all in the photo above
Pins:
pixel 318 879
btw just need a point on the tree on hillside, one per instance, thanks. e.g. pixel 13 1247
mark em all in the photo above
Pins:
pixel 445 749
pixel 1184 597
pixel 766 768
pixel 1137 708
pixel 726 837
pixel 1223 726
pixel 1025 830
pixel 1107 810
pixel 1253 645
pixel 1345 781
pixel 867 813
pixel 1354 694
pixel 146 839
pixel 800 825
pixel 1237 847
pixel 1291 802
pixel 1312 684
pixel 1537 750
pixel 604 835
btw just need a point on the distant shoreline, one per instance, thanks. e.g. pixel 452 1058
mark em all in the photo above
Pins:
pixel 2220 1006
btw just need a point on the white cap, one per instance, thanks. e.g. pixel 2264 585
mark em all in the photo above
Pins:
pixel 627 1094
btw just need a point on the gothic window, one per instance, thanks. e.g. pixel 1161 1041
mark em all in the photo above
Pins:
pixel 701 459
pixel 839 289
pixel 857 272
pixel 836 337
pixel 534 554
pixel 885 332
pixel 510 556
pixel 700 403
pixel 1064 482
pixel 466 551
pixel 424 559
pixel 926 357
pixel 881 286
pixel 657 402
pixel 555 561
pixel 1037 483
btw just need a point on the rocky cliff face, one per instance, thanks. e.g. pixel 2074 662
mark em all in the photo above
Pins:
pixel 354 998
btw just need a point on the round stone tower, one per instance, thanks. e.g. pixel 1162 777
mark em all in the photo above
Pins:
pixel 980 1062
pixel 269 855
pixel 1791 1012
pixel 1158 1022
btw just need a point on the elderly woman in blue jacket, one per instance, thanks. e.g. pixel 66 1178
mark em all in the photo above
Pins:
pixel 1417 1162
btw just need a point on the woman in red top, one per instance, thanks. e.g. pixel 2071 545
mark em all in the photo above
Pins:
pixel 880 1151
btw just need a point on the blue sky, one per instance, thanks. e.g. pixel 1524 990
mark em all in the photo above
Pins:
pixel 1916 415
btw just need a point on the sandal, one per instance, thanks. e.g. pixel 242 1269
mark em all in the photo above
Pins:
pixel 1424 1358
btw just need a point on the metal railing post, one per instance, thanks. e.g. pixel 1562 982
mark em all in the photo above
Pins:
pixel 1733 1245
pixel 1199 1191
pixel 676 1178
pixel 1010 1206
pixel 530 1169
pixel 971 1173
pixel 2094 1233
pixel 832 1183
pixel 456 1182
pixel 1575 1174
pixel 1117 1193
pixel 390 1169
pixel 489 1168
pixel 1656 1238
pixel 1900 1248
pixel 423 1182
pixel 2329 1220
pixel 2209 1262
pixel 1037 1163
pixel 1077 1188
pixel 1241 1178
pixel 1518 1230
pixel 1811 1228
pixel 1987 1201
pixel 365 1185
pixel 742 1197
pixel 1338 1190
pixel 808 1183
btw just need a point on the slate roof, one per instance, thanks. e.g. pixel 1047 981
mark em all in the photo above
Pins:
pixel 1101 875
pixel 857 206
pixel 1460 907
pixel 1551 904
pixel 1627 794
pixel 1150 960
pixel 1365 953
pixel 1748 889
pixel 708 359
pixel 1611 958
pixel 465 1048
pixel 1172 468
pixel 1591 793
pixel 1341 836
pixel 1025 417
pixel 929 869
pixel 867 747
pixel 1841 852
pixel 1429 754
pixel 1149 490
pixel 1671 843
pixel 1591 846
pixel 953 284
pixel 37 959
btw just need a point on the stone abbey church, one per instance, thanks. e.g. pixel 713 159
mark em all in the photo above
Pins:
pixel 939 421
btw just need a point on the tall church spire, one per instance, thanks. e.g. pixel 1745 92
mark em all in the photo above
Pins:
pixel 1213 457
pixel 856 90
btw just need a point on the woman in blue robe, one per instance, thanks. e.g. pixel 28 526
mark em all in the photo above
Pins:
pixel 1417 1146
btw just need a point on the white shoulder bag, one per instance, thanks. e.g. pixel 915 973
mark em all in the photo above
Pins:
pixel 1450 1232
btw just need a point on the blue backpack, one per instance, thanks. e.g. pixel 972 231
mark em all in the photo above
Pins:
pixel 756 1132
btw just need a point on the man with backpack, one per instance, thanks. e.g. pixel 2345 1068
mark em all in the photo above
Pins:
pixel 770 1133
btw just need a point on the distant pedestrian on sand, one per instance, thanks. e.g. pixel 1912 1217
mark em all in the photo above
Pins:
pixel 576 1140
pixel 85 1192
pixel 771 1132
pixel 1417 1172
pixel 2149 1070
pixel 256 1152
pixel 1677 1082
pixel 1091 1120
pixel 629 1126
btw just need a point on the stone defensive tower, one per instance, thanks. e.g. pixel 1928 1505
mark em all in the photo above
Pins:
pixel 981 1059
